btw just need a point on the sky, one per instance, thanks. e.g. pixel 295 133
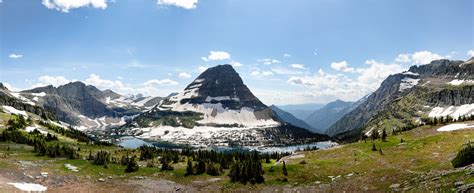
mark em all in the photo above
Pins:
pixel 286 51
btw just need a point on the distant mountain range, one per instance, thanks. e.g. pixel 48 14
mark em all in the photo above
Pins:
pixel 217 108
pixel 321 119
pixel 301 111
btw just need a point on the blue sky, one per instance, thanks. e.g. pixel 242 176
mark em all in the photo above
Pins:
pixel 287 52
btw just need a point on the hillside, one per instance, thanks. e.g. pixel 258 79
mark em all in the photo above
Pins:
pixel 87 107
pixel 404 99
pixel 424 154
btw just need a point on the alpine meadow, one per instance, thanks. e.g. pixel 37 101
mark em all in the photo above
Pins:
pixel 236 96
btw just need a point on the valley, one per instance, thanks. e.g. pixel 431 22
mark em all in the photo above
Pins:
pixel 424 153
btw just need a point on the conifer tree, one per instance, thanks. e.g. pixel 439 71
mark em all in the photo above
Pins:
pixel 285 172
pixel 189 168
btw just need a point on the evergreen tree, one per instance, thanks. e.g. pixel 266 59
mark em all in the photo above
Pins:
pixel 285 172
pixel 132 166
pixel 384 135
pixel 201 167
pixel 373 147
pixel 189 168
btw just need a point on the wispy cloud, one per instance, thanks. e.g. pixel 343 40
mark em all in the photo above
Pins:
pixel 341 66
pixel 268 61
pixel 298 66
pixel 185 4
pixel 15 56
pixel 184 75
pixel 216 55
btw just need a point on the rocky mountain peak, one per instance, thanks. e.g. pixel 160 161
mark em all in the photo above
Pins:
pixel 222 84
pixel 2 87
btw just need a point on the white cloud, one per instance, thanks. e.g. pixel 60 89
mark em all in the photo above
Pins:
pixel 268 61
pixel 66 5
pixel 216 55
pixel 419 58
pixel 341 66
pixel 259 73
pixel 298 66
pixel 15 56
pixel 51 80
pixel 236 64
pixel 287 55
pixel 425 57
pixel 202 68
pixel 100 83
pixel 403 58
pixel 184 75
pixel 155 82
pixel 185 4
pixel 285 71
pixel 330 86
pixel 470 53
pixel 377 72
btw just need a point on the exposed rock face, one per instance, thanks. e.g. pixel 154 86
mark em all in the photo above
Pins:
pixel 223 81
pixel 84 105
pixel 2 87
pixel 73 99
pixel 7 99
pixel 403 95
pixel 221 96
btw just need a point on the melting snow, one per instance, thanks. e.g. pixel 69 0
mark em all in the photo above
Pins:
pixel 452 111
pixel 71 167
pixel 12 110
pixel 22 98
pixel 41 94
pixel 29 187
pixel 410 73
pixel 457 82
pixel 32 128
pixel 454 127
pixel 407 83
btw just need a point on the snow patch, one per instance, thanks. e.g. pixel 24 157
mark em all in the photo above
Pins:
pixel 22 98
pixel 12 110
pixel 71 167
pixel 454 127
pixel 29 187
pixel 407 83
pixel 410 73
pixel 452 111
pixel 41 94
pixel 32 128
pixel 457 82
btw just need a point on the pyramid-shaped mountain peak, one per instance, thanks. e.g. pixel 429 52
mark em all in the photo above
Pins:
pixel 220 84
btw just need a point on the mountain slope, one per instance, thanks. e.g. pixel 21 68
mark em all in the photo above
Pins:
pixel 323 118
pixel 404 99
pixel 13 101
pixel 284 116
pixel 85 106
pixel 216 108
